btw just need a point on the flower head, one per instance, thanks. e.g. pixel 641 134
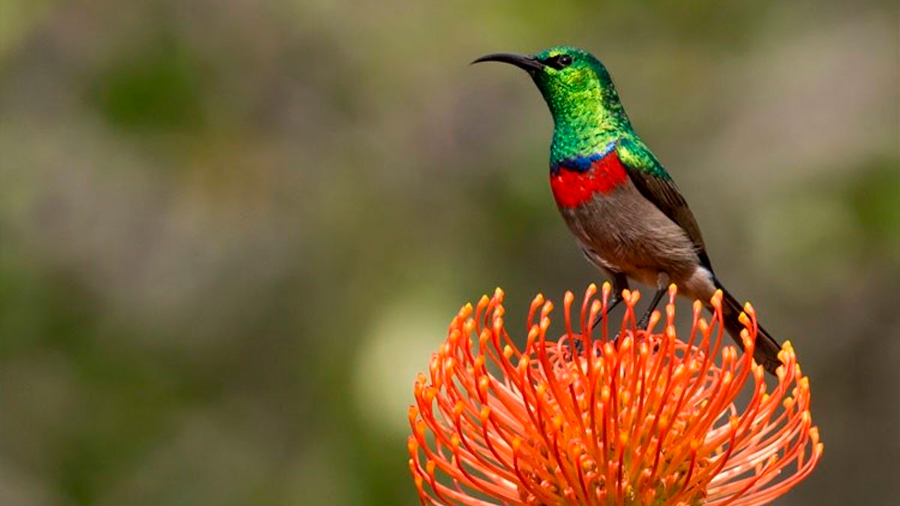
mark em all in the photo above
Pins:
pixel 647 419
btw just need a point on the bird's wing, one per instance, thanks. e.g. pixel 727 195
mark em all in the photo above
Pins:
pixel 655 184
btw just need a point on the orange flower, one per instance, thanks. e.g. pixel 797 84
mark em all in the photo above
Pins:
pixel 581 421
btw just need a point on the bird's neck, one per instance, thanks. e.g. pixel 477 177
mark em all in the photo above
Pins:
pixel 583 129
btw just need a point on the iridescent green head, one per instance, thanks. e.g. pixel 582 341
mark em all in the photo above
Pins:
pixel 584 103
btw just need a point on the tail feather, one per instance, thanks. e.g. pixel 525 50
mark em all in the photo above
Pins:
pixel 766 347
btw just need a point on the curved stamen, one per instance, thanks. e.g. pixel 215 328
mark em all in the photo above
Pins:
pixel 649 417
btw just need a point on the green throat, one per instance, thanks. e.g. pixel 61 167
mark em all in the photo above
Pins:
pixel 582 98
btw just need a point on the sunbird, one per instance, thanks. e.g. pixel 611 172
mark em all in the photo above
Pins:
pixel 628 217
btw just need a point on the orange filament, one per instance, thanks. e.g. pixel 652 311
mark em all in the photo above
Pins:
pixel 647 419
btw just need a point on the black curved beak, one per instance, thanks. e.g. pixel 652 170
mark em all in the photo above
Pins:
pixel 526 63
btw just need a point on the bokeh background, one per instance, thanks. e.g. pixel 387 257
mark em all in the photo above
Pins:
pixel 232 231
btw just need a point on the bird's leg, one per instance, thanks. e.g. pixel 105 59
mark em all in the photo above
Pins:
pixel 615 301
pixel 662 283
pixel 619 282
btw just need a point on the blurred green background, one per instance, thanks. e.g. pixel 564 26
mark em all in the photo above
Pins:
pixel 232 231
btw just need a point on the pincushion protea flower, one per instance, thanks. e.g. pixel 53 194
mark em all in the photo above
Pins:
pixel 651 420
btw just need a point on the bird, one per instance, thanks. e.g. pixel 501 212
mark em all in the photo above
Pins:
pixel 629 218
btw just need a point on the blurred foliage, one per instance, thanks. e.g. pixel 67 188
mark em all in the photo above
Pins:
pixel 161 90
pixel 233 231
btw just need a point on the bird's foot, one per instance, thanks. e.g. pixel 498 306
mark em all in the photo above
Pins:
pixel 662 284
pixel 616 300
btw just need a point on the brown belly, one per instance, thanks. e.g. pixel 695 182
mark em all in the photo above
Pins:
pixel 625 233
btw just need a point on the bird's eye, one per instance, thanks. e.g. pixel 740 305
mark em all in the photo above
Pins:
pixel 558 62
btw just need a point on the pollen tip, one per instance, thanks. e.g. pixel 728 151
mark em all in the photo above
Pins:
pixel 759 373
pixel 727 378
pixel 704 326
pixel 545 323
pixel 455 441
